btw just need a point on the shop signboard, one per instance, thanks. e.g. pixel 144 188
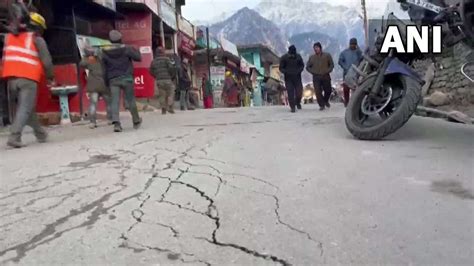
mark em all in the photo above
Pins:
pixel 168 14
pixel 186 44
pixel 90 42
pixel 136 30
pixel 232 64
pixel 107 3
pixel 217 77
pixel 244 66
pixel 217 80
pixel 185 26
pixel 275 72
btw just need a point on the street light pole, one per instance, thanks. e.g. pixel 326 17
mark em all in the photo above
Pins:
pixel 208 53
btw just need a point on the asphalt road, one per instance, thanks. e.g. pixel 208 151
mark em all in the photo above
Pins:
pixel 240 187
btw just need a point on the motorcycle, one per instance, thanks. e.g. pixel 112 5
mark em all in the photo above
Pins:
pixel 387 88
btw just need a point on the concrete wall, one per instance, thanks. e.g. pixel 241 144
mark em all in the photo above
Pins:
pixel 449 79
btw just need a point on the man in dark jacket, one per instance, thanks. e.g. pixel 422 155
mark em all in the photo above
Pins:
pixel 184 86
pixel 292 65
pixel 118 66
pixel 320 65
pixel 350 56
pixel 164 72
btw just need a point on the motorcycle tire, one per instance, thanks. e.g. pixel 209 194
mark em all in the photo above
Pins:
pixel 403 112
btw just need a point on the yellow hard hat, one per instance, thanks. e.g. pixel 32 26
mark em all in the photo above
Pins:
pixel 228 74
pixel 38 19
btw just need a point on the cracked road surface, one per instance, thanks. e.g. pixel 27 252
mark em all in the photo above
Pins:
pixel 240 187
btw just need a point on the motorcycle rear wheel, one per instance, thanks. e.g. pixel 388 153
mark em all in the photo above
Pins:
pixel 401 106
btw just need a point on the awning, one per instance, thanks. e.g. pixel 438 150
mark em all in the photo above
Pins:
pixel 229 46
pixel 136 6
pixel 90 5
pixel 245 66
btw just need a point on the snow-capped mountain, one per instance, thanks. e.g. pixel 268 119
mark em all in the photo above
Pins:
pixel 299 16
pixel 248 27
pixel 279 23
pixel 219 18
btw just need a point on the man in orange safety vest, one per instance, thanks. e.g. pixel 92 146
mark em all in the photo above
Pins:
pixel 26 59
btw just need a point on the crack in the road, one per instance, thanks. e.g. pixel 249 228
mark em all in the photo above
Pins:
pixel 93 160
pixel 252 178
pixel 171 255
pixel 96 208
pixel 14 194
pixel 125 245
pixel 49 233
pixel 236 123
pixel 280 220
pixel 219 178
pixel 213 214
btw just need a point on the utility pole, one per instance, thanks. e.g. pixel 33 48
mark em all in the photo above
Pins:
pixel 366 22
pixel 80 89
pixel 208 53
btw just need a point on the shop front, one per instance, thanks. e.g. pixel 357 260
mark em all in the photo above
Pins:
pixel 204 61
pixel 246 81
pixel 148 24
pixel 186 46
pixel 65 20
pixel 168 26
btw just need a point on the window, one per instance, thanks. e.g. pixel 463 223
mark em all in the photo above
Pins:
pixel 62 45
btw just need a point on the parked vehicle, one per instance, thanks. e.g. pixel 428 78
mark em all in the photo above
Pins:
pixel 308 94
pixel 387 89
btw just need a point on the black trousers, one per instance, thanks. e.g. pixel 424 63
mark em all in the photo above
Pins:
pixel 294 86
pixel 323 88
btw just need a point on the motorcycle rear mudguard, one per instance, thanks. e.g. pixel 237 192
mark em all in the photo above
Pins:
pixel 398 67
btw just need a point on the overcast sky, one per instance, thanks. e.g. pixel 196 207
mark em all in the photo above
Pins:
pixel 205 9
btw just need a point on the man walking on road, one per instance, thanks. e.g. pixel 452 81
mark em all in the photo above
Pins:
pixel 164 73
pixel 118 65
pixel 184 86
pixel 292 65
pixel 350 56
pixel 95 87
pixel 320 65
pixel 26 59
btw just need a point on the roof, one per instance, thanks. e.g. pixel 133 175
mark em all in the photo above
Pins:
pixel 266 51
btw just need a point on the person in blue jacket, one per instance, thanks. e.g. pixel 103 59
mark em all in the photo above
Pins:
pixel 350 56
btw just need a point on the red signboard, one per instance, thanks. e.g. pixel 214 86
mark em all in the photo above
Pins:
pixel 187 44
pixel 137 31
pixel 231 64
